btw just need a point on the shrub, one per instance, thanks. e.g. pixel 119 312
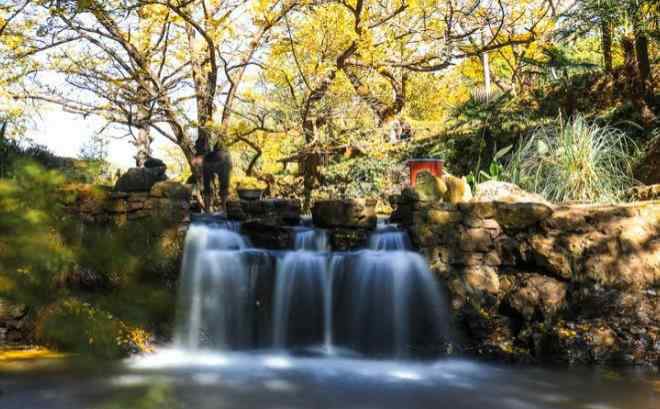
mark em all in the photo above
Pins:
pixel 91 287
pixel 359 177
pixel 73 325
pixel 575 161
pixel 32 249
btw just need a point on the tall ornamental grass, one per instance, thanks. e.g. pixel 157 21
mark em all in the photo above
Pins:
pixel 575 160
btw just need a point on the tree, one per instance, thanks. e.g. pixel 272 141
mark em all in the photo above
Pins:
pixel 147 64
pixel 14 19
pixel 345 66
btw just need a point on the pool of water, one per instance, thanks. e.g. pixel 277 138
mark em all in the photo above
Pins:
pixel 172 379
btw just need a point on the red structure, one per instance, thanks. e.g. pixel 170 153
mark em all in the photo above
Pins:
pixel 435 166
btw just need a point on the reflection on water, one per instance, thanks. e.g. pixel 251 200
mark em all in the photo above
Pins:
pixel 174 379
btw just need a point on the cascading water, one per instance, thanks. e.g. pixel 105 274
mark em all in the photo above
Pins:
pixel 217 289
pixel 303 278
pixel 389 237
pixel 299 299
pixel 390 301
pixel 311 239
pixel 379 301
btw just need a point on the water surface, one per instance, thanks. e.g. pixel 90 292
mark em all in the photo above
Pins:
pixel 177 379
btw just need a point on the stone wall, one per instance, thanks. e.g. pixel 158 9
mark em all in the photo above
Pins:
pixel 532 282
pixel 14 325
pixel 93 204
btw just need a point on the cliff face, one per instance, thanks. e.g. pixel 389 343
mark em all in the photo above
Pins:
pixel 533 282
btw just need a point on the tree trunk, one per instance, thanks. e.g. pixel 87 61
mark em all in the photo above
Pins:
pixel 3 150
pixel 307 168
pixel 606 45
pixel 487 78
pixel 643 63
pixel 143 139
pixel 635 86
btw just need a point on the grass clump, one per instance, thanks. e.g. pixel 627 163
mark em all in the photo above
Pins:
pixel 576 160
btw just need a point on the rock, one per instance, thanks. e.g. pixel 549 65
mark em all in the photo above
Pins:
pixel 349 239
pixel 608 265
pixel 116 206
pixel 482 279
pixel 478 210
pixel 494 191
pixel 345 213
pixel 140 179
pixel 471 240
pixel 437 216
pixel 520 216
pixel 270 211
pixel 9 311
pixel 585 218
pixel 644 193
pixel 549 254
pixel 430 188
pixel 268 235
pixel 538 294
pixel 172 190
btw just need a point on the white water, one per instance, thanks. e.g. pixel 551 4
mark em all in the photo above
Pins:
pixel 237 298
pixel 311 240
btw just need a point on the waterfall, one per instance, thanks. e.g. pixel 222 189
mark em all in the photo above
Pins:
pixel 389 238
pixel 217 287
pixel 380 301
pixel 311 239
pixel 384 293
pixel 298 301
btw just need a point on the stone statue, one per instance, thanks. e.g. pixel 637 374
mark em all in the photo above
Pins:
pixel 141 158
pixel 216 171
pixel 448 188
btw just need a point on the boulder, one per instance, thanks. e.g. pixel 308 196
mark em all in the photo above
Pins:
pixel 482 279
pixel 494 191
pixel 520 216
pixel 270 211
pixel 345 213
pixel 171 190
pixel 268 235
pixel 538 294
pixel 140 179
